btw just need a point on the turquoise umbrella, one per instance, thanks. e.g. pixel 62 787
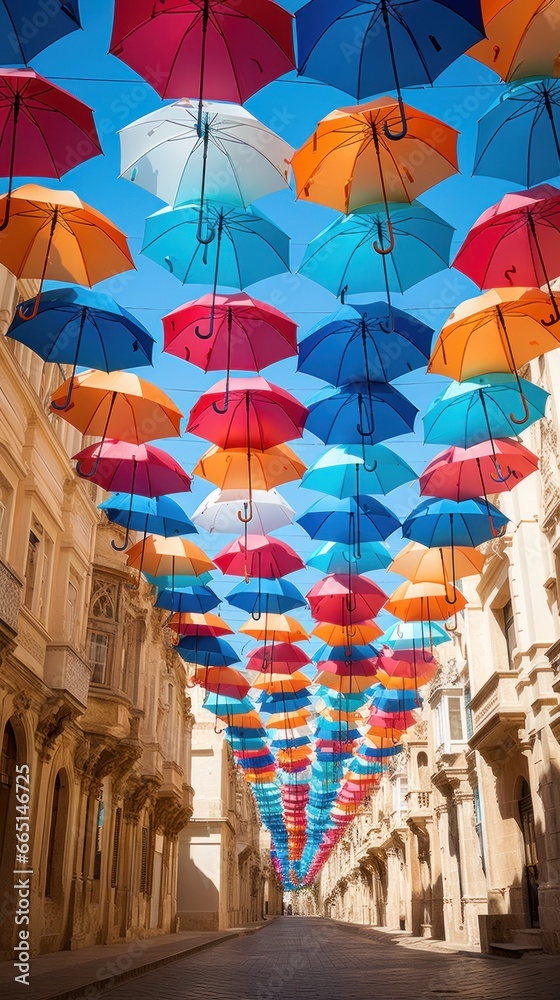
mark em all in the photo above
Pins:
pixel 348 470
pixel 411 635
pixel 483 408
pixel 337 557
pixel 150 515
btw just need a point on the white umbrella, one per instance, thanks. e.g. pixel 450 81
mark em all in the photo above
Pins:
pixel 219 512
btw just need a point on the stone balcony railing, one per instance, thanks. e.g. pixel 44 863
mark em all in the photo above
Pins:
pixel 418 802
pixel 173 779
pixel 497 715
pixel 66 673
pixel 11 594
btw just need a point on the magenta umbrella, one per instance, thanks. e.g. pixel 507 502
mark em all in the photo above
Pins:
pixel 256 415
pixel 223 50
pixel 139 469
pixel 342 600
pixel 467 473
pixel 45 131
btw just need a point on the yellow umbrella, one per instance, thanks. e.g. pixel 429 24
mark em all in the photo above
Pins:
pixel 54 236
pixel 229 469
pixel 276 628
pixel 422 565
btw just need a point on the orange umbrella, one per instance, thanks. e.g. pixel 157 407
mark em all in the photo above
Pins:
pixel 343 635
pixel 117 405
pixel 222 680
pixel 285 683
pixel 54 236
pixel 422 565
pixel 291 720
pixel 168 557
pixel 349 161
pixel 186 623
pixel 230 469
pixel 344 684
pixel 522 38
pixel 276 628
pixel 416 602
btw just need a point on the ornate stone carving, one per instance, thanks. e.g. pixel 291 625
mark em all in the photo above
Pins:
pixel 139 793
pixel 170 817
pixel 55 718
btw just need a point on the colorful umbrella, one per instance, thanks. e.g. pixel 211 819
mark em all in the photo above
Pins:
pixel 208 652
pixel 418 563
pixel 163 556
pixel 343 635
pixel 52 235
pixel 253 414
pixel 365 48
pixel 222 680
pixel 397 702
pixel 425 602
pixel 275 681
pixel 198 599
pixel 260 511
pixel 141 469
pixel 203 625
pixel 40 126
pixel 276 628
pixel 354 343
pixel 345 472
pixel 442 523
pixel 410 635
pixel 522 38
pixel 467 473
pixel 338 601
pixel 283 658
pixel 26 28
pixel 259 556
pixel 349 684
pixel 157 515
pixel 266 596
pixel 337 557
pixel 360 413
pixel 351 521
pixel 229 470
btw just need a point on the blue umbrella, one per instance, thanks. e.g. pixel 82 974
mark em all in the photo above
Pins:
pixel 177 582
pixel 287 744
pixel 440 523
pixel 337 557
pixel 76 326
pixel 519 136
pixel 326 652
pixel 368 48
pixel 410 635
pixel 395 700
pixel 483 408
pixel 269 704
pixel 151 515
pixel 348 470
pixel 29 26
pixel 261 596
pixel 351 520
pixel 360 413
pixel 356 342
pixel 188 600
pixel 206 651
pixel 342 258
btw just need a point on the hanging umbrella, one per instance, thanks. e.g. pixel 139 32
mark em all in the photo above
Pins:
pixel 352 521
pixel 522 38
pixel 41 124
pixel 483 409
pixel 52 235
pixel 365 48
pixel 197 599
pixel 75 326
pixel 222 680
pixel 410 635
pixel 253 414
pixel 342 258
pixel 203 625
pixel 403 671
pixel 283 657
pixel 519 136
pixel 516 242
pixel 345 472
pixel 229 469
pixel 141 469
pixel 223 49
pixel 363 413
pixel 207 652
pixel 117 405
pixel 442 523
pixel 467 473
pixel 501 330
pixel 26 28
pixel 160 556
pixel 337 557
pixel 261 512
pixel 177 582
pixel 342 635
pixel 351 160
pixel 425 602
pixel 418 563
pixel 348 653
pixel 259 556
pixel 266 596
pixel 344 684
pixel 276 628
pixel 354 343
pixel 157 515
pixel 397 702
pixel 279 682
pixel 216 152
pixel 340 601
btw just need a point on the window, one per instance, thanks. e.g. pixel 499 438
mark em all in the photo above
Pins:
pixel 478 825
pixel 57 838
pixel 468 713
pixel 71 608
pixel 98 656
pixel 38 570
pixel 31 569
pixel 455 719
pixel 116 845
pixel 98 836
pixel 144 859
pixel 449 720
pixel 508 625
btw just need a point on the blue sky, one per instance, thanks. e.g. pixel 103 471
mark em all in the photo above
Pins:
pixel 292 108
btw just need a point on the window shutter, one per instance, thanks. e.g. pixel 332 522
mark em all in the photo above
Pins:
pixel 116 844
pixel 144 861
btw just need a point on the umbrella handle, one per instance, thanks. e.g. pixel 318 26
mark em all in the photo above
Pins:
pixel 384 251
pixel 360 425
pixel 249 509
pixel 211 233
pixel 203 336
pixel 88 475
pixel 61 407
pixel 189 685
pixel 121 548
pixel 403 131
pixel 26 317
pixel 454 624
pixel 4 224
pixel 525 416
pixel 222 409
pixel 219 732
pixel 499 478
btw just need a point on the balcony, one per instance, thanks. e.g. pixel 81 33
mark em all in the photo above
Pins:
pixel 497 717
pixel 419 805
pixel 173 779
pixel 11 593
pixel 67 674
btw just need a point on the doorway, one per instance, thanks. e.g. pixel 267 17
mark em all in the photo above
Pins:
pixel 531 868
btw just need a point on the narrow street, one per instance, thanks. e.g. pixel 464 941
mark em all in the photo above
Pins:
pixel 299 958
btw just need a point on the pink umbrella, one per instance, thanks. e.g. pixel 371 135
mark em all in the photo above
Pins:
pixel 342 601
pixel 282 658
pixel 132 468
pixel 259 415
pixel 516 242
pixel 259 556
pixel 45 130
pixel 466 473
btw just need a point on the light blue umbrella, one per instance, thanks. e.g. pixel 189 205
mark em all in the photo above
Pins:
pixel 337 557
pixel 179 582
pixel 259 597
pixel 394 700
pixel 483 408
pixel 342 258
pixel 150 515
pixel 326 652
pixel 207 651
pixel 348 470
pixel 519 136
pixel 411 635
pixel 442 523
pixel 360 413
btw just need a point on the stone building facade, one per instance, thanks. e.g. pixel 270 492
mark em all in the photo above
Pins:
pixel 461 841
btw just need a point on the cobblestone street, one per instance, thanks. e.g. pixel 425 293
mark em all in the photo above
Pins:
pixel 311 959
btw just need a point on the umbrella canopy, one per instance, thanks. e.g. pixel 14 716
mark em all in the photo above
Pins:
pixel 276 628
pixel 348 653
pixel 338 557
pixel 120 467
pixel 277 658
pixel 349 684
pixel 77 326
pixel 193 623
pixel 351 160
pixel 206 651
pixel 156 515
pixel 222 680
pixel 266 597
pixel 160 556
pixel 195 599
pixel 397 702
pixel 418 563
pixel 499 331
pixel 259 556
pixel 337 635
pixel 522 38
pixel 18 42
pixel 222 49
pixel 219 152
pixel 117 405
pixel 360 412
pixel 338 601
pixel 442 523
pixel 519 136
pixel 342 258
pixel 349 470
pixel 411 635
pixel 483 409
pixel 466 473
pixel 288 683
pixel 425 602
pixel 229 469
pixel 347 520
pixel 225 511
pixel 255 414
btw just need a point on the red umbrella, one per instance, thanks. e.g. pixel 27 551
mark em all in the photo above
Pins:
pixel 467 473
pixel 343 601
pixel 258 556
pixel 198 625
pixel 132 468
pixel 282 658
pixel 347 668
pixel 224 680
pixel 222 50
pixel 260 415
pixel 516 242
pixel 45 130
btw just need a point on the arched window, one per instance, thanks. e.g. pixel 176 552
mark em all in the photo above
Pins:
pixel 423 776
pixel 57 837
